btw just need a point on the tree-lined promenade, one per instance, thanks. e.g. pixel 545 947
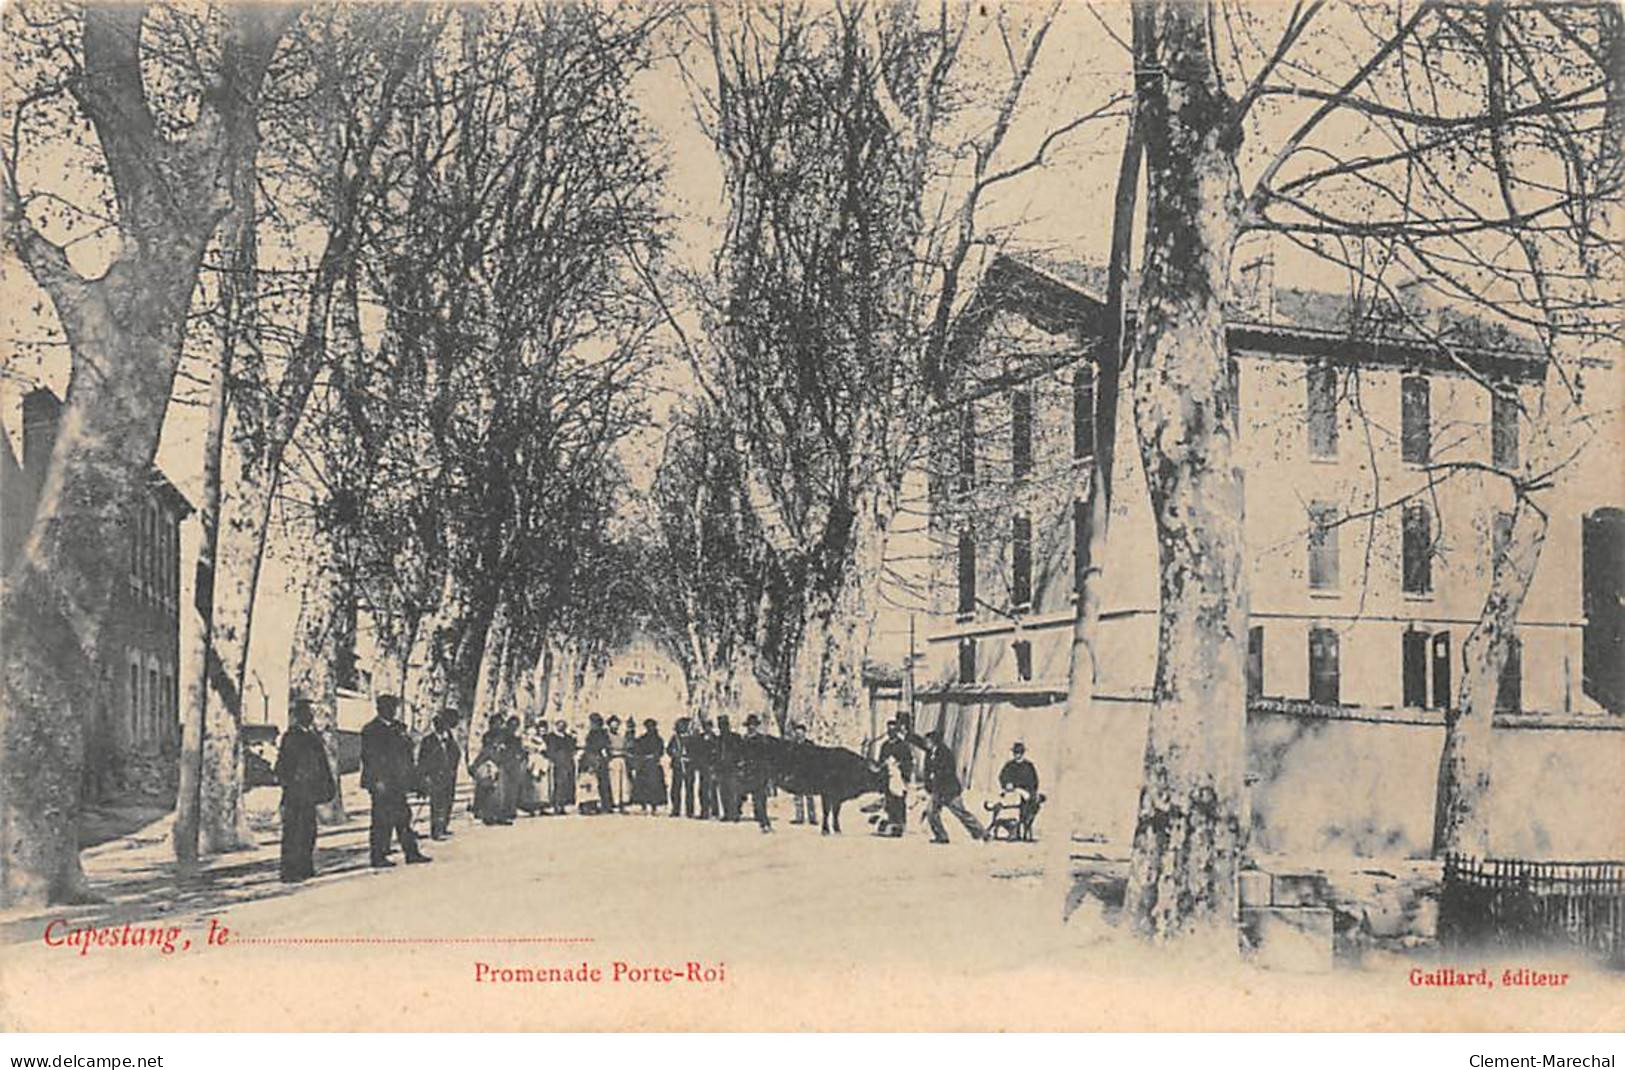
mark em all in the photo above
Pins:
pixel 425 275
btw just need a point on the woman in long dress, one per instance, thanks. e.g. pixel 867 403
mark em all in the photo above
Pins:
pixel 648 778
pixel 561 754
pixel 489 774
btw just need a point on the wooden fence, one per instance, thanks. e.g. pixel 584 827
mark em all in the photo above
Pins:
pixel 1512 904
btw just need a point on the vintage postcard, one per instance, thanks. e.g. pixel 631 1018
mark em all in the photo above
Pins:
pixel 809 516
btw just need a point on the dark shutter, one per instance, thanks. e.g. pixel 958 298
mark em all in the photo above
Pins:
pixel 1023 650
pixel 1080 544
pixel 1415 670
pixel 1509 689
pixel 967 449
pixel 967 572
pixel 1255 661
pixel 1021 432
pixel 967 661
pixel 1441 670
pixel 1021 560
pixel 1323 547
pixel 1083 411
pixel 1504 429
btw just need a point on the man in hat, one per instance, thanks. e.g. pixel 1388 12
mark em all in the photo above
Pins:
pixel 1019 774
pixel 942 781
pixel 729 760
pixel 756 762
pixel 682 768
pixel 595 756
pixel 897 752
pixel 387 773
pixel 438 759
pixel 307 781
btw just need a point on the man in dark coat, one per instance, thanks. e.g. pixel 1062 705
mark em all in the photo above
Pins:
pixel 1019 774
pixel 438 759
pixel 682 769
pixel 702 751
pixel 756 763
pixel 942 781
pixel 595 756
pixel 561 754
pixel 387 773
pixel 729 763
pixel 307 781
pixel 899 752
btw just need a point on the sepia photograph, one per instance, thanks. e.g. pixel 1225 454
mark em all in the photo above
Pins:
pixel 812 516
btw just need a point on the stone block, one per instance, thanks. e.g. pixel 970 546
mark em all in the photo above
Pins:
pixel 1293 939
pixel 1253 886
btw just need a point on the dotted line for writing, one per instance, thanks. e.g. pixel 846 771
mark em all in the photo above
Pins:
pixel 411 940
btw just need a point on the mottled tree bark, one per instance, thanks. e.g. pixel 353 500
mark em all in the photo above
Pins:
pixel 1191 827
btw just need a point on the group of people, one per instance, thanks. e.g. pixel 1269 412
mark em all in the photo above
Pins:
pixel 713 768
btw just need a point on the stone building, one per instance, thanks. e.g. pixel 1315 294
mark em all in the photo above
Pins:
pixel 133 738
pixel 1372 519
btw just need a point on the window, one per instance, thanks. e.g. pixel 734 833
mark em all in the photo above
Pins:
pixel 1080 544
pixel 152 704
pixel 1504 429
pixel 135 693
pixel 1255 661
pixel 1021 432
pixel 146 550
pixel 1509 689
pixel 967 661
pixel 1418 550
pixel 1323 546
pixel 1023 650
pixel 967 573
pixel 1416 433
pixel 1083 411
pixel 967 450
pixel 1427 669
pixel 1021 560
pixel 1324 681
pixel 1322 411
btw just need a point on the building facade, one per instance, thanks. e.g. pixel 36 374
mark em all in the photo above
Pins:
pixel 133 738
pixel 1374 512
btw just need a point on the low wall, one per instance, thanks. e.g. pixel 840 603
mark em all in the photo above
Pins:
pixel 1352 783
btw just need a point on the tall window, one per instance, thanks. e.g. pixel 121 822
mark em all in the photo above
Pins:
pixel 1322 408
pixel 1504 429
pixel 1021 432
pixel 1023 650
pixel 1509 689
pixel 1255 661
pixel 967 572
pixel 1325 684
pixel 135 693
pixel 967 661
pixel 967 449
pixel 1021 560
pixel 1323 546
pixel 1418 550
pixel 1416 420
pixel 1083 411
pixel 1080 544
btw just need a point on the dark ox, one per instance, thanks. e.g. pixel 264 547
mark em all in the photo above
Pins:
pixel 834 774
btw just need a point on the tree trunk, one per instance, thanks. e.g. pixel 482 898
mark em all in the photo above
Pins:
pixel 827 690
pixel 1192 822
pixel 490 686
pixel 325 612
pixel 1080 728
pixel 124 333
